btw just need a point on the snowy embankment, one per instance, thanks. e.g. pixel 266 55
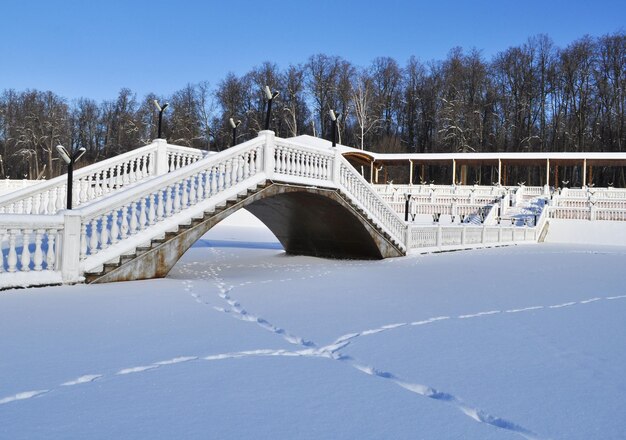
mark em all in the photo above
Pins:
pixel 586 232
pixel 243 341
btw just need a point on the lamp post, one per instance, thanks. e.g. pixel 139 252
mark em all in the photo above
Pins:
pixel 161 110
pixel 270 97
pixel 407 200
pixel 333 117
pixel 234 125
pixel 70 159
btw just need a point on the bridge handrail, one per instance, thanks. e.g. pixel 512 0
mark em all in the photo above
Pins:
pixel 152 206
pixel 354 184
pixel 127 196
pixel 101 178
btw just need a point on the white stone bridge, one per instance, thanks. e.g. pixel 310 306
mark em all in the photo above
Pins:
pixel 136 214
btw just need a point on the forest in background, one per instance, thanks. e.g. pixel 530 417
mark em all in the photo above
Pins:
pixel 531 97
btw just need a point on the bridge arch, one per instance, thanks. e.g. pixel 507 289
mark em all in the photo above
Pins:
pixel 306 220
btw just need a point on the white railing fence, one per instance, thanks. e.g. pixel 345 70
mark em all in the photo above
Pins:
pixel 29 250
pixel 439 237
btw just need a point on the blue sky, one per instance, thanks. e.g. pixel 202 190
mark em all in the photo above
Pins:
pixel 93 48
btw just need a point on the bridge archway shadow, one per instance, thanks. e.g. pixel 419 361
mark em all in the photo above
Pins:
pixel 308 221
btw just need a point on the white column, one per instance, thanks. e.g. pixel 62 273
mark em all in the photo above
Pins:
pixel 337 168
pixel 70 255
pixel 453 172
pixel 584 172
pixel 161 157
pixel 268 152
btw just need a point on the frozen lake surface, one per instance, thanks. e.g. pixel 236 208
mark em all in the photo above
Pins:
pixel 243 341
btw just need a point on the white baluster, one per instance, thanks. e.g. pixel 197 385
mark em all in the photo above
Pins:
pixel 133 218
pixel 252 171
pixel 50 200
pixel 258 164
pixel 104 232
pixel 185 193
pixel 37 204
pixel 51 254
pixel 25 259
pixel 220 174
pixel 152 164
pixel 124 225
pixel 38 256
pixel 139 172
pixel 192 190
pixel 200 191
pixel 93 238
pixel 228 173
pixel 235 172
pixel 160 212
pixel 126 169
pixel 168 202
pixel 278 153
pixel 246 165
pixel 60 201
pixel 115 229
pixel 176 189
pixel 240 168
pixel 143 217
pixel 117 180
pixel 97 185
pixel 83 241
pixel 152 208
pixel 12 256
pixel 134 167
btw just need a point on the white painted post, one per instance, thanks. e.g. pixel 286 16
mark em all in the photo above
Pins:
pixel 268 152
pixel 162 166
pixel 439 235
pixel 337 168
pixel 547 186
pixel 463 235
pixel 483 234
pixel 453 172
pixel 70 255
pixel 407 237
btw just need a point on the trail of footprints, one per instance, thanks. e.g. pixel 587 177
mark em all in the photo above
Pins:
pixel 307 348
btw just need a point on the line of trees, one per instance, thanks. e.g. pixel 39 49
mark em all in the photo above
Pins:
pixel 531 97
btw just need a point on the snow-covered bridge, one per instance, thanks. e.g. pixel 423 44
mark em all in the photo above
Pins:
pixel 136 214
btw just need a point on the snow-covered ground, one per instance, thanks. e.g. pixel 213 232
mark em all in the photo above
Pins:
pixel 242 341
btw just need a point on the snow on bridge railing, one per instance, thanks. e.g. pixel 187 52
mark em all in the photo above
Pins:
pixel 10 185
pixel 100 179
